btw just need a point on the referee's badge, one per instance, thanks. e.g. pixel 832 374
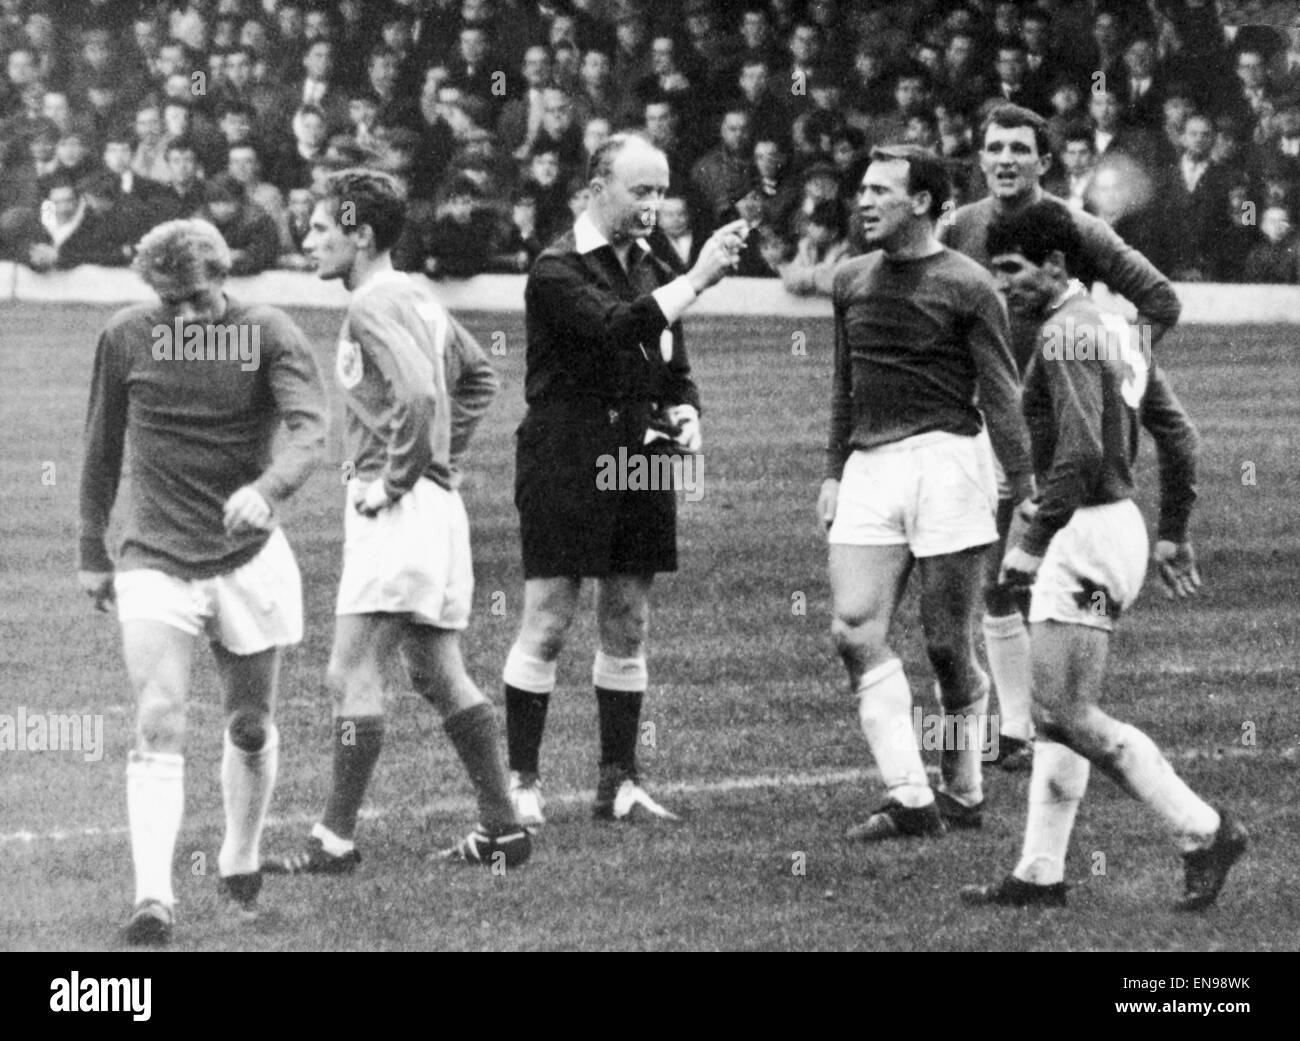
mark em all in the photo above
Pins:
pixel 347 364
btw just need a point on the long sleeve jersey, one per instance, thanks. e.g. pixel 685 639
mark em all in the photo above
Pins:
pixel 201 405
pixel 416 384
pixel 914 342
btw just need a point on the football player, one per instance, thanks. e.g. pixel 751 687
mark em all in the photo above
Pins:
pixel 202 383
pixel 415 385
pixel 919 329
pixel 1083 551
pixel 1015 154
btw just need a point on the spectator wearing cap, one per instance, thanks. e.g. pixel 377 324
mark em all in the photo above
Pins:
pixel 725 172
pixel 823 245
pixel 186 195
pixel 249 231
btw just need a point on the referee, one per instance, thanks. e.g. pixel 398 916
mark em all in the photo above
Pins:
pixel 607 376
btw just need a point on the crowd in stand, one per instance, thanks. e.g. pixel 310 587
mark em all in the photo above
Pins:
pixel 1169 121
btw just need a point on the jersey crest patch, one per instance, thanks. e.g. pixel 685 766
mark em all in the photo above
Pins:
pixel 347 365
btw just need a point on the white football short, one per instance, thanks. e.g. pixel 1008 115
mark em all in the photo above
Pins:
pixel 1093 568
pixel 933 492
pixel 412 557
pixel 251 609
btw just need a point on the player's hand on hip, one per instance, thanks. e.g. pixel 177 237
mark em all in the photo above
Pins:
pixel 826 502
pixel 1021 517
pixel 247 510
pixel 98 585
pixel 1178 572
pixel 1018 567
pixel 687 420
pixel 370 498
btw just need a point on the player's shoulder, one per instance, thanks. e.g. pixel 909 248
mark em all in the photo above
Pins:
pixel 961 269
pixel 972 213
pixel 265 316
pixel 853 271
pixel 128 320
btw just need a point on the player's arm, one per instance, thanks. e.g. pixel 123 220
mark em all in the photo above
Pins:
pixel 475 386
pixel 841 425
pixel 998 379
pixel 1177 448
pixel 1077 402
pixel 1129 273
pixel 386 342
pixel 299 392
pixel 101 468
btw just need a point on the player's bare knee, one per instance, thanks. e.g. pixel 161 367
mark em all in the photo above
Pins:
pixel 248 729
pixel 160 724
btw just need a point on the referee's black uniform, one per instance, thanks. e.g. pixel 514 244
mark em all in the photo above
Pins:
pixel 596 375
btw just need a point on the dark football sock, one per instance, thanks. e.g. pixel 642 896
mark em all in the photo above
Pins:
pixel 525 721
pixel 477 738
pixel 357 741
pixel 620 716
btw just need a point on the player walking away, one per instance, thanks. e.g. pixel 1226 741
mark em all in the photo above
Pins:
pixel 918 330
pixel 416 384
pixel 606 360
pixel 1014 155
pixel 202 383
pixel 1084 551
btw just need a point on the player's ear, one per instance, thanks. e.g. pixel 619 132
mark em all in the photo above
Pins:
pixel 921 203
pixel 1044 163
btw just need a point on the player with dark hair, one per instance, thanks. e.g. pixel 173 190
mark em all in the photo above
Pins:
pixel 606 362
pixel 1015 153
pixel 202 383
pixel 1083 552
pixel 919 329
pixel 415 384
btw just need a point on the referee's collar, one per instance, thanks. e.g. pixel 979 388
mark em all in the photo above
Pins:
pixel 587 238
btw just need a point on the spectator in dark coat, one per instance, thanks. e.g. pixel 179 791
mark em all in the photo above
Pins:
pixel 248 229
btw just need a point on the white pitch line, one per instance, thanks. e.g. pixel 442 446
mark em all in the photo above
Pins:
pixel 809 779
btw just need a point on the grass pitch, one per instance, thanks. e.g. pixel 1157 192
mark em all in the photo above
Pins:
pixel 755 739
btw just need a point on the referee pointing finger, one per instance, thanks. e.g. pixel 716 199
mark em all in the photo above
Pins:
pixel 606 360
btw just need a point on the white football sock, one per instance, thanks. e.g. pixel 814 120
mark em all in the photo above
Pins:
pixel 1056 788
pixel 1007 642
pixel 247 780
pixel 155 800
pixel 884 710
pixel 1148 776
pixel 963 748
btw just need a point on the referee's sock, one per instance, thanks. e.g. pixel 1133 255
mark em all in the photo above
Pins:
pixel 620 688
pixel 357 741
pixel 155 799
pixel 528 685
pixel 474 733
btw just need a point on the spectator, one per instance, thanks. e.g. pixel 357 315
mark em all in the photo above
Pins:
pixel 758 41
pixel 805 46
pixel 964 83
pixel 459 241
pixel 249 231
pixel 241 88
pixel 871 87
pixel 595 132
pixel 471 67
pixel 1279 157
pixel 58 236
pixel 382 77
pixel 244 168
pixel 542 179
pixel 778 190
pixel 1015 84
pixel 317 86
pixel 186 194
pixel 1242 234
pixel 520 121
pixel 1277 258
pixel 577 197
pixel 849 154
pixel 823 245
pixel 559 133
pixel 662 127
pixel 675 223
pixel 1253 91
pixel 1078 164
pixel 769 116
pixel 520 244
pixel 1112 137
pixel 297 224
pixel 1144 88
pixel 21 71
pixel 114 223
pixel 292 169
pixel 912 96
pixel 1067 110
pixel 668 79
pixel 723 174
pixel 595 95
pixel 1195 204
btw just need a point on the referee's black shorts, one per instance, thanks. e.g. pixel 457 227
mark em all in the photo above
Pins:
pixel 571 527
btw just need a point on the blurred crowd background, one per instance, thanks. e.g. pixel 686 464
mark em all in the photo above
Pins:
pixel 1177 121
